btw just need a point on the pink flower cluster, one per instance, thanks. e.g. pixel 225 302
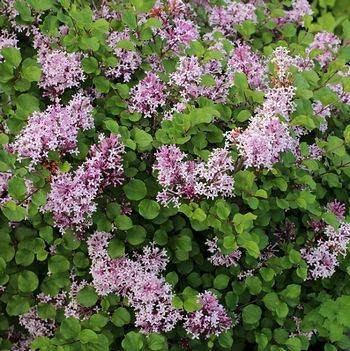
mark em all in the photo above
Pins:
pixel 283 61
pixel 35 325
pixel 148 95
pixel 300 9
pixel 278 102
pixel 188 76
pixel 178 30
pixel 55 129
pixel 263 141
pixel 224 19
pixel 244 59
pixel 73 308
pixel 60 70
pixel 210 319
pixel 328 45
pixel 191 179
pixel 72 196
pixel 323 258
pixel 138 280
pixel 7 40
pixel 218 258
pixel 179 34
pixel 128 60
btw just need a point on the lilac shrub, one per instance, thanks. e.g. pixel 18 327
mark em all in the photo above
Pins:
pixel 174 175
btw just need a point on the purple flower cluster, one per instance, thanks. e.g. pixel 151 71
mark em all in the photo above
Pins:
pixel 323 258
pixel 55 129
pixel 72 196
pixel 128 60
pixel 218 258
pixel 188 76
pixel 7 40
pixel 191 179
pixel 60 70
pixel 244 59
pixel 328 45
pixel 300 9
pixel 148 95
pixel 210 319
pixel 35 325
pixel 278 102
pixel 263 141
pixel 225 18
pixel 138 280
pixel 337 208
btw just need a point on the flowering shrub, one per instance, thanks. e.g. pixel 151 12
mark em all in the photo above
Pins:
pixel 174 175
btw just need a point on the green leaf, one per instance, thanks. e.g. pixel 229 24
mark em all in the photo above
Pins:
pixel 135 190
pixel 17 188
pixel 27 281
pixel 102 84
pixel 116 248
pixel 12 56
pixel 157 342
pixel 221 281
pixel 87 336
pixel 132 341
pixel 129 19
pixel 120 317
pixel 251 314
pixel 142 138
pixel 87 296
pixel 123 222
pixel 136 235
pixel 58 264
pixel 31 70
pixel 70 328
pixel 149 209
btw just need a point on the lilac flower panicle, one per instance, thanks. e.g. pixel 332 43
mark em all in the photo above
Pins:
pixel 300 9
pixel 35 325
pixel 138 280
pixel 278 102
pixel 328 44
pixel 263 141
pixel 55 129
pixel 128 61
pixel 210 319
pixel 225 18
pixel 72 196
pixel 191 179
pixel 148 95
pixel 338 208
pixel 218 258
pixel 60 70
pixel 7 40
pixel 212 177
pixel 244 59
pixel 323 257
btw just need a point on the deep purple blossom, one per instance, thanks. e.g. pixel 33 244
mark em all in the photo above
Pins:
pixel 244 59
pixel 338 208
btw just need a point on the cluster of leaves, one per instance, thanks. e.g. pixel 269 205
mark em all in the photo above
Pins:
pixel 36 258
